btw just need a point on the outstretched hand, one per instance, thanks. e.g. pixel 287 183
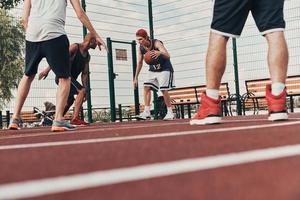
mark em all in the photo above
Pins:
pixel 100 43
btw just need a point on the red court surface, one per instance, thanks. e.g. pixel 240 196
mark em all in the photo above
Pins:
pixel 244 158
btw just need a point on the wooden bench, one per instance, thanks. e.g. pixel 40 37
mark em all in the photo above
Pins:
pixel 254 99
pixel 187 96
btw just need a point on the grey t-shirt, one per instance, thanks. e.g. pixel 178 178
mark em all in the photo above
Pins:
pixel 46 20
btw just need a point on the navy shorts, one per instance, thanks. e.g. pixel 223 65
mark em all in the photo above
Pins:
pixel 56 52
pixel 229 16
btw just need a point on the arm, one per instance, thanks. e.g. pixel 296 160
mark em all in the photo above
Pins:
pixel 86 22
pixel 43 74
pixel 139 67
pixel 26 13
pixel 72 50
pixel 84 74
pixel 162 51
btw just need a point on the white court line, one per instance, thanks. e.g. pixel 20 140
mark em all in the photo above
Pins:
pixel 61 184
pixel 132 126
pixel 146 136
pixel 88 129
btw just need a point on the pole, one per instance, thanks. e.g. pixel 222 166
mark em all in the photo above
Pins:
pixel 152 37
pixel 136 90
pixel 88 89
pixel 236 76
pixel 111 78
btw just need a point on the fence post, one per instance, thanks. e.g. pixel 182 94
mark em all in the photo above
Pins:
pixel 136 90
pixel 236 77
pixel 111 77
pixel 7 118
pixel 1 120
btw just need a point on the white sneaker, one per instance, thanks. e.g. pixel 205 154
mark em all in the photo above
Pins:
pixel 144 116
pixel 169 116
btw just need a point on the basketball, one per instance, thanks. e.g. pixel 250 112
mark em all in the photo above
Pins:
pixel 149 60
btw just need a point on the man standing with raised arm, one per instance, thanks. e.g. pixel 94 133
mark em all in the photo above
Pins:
pixel 44 21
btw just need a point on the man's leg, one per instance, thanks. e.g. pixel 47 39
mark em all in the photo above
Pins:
pixel 78 103
pixel 278 62
pixel 23 91
pixel 170 115
pixel 210 110
pixel 61 97
pixel 147 95
pixel 215 60
pixel 147 99
pixel 277 56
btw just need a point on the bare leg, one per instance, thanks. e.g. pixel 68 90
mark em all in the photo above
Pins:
pixel 61 97
pixel 23 91
pixel 277 56
pixel 147 95
pixel 167 98
pixel 78 103
pixel 215 60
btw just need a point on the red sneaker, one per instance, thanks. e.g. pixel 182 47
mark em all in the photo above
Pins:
pixel 78 122
pixel 276 104
pixel 209 111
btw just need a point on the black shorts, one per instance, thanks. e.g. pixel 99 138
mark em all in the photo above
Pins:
pixel 229 16
pixel 56 52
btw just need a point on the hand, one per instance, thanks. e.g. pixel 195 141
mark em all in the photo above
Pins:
pixel 155 54
pixel 43 75
pixel 135 83
pixel 100 43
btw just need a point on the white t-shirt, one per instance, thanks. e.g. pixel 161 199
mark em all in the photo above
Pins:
pixel 46 20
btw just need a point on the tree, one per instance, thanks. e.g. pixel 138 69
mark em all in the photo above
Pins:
pixel 11 55
pixel 8 4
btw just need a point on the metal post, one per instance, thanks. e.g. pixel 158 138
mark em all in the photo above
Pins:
pixel 1 120
pixel 111 77
pixel 120 112
pixel 236 75
pixel 88 89
pixel 136 90
pixel 152 37
pixel 7 118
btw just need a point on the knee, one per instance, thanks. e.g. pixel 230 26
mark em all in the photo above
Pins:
pixel 147 88
pixel 82 91
pixel 29 78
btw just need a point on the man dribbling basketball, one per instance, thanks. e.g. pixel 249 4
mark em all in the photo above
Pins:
pixel 160 76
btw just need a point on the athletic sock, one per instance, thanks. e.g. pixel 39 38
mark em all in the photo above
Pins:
pixel 170 110
pixel 212 93
pixel 277 88
pixel 147 109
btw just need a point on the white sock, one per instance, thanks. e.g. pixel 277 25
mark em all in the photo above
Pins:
pixel 170 110
pixel 277 88
pixel 147 109
pixel 212 93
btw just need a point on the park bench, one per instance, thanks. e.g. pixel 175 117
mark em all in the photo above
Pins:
pixel 255 99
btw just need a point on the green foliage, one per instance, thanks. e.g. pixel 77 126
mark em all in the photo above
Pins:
pixel 11 55
pixel 8 4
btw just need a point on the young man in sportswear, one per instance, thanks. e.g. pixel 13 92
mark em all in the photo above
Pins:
pixel 229 18
pixel 160 76
pixel 44 21
pixel 79 59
